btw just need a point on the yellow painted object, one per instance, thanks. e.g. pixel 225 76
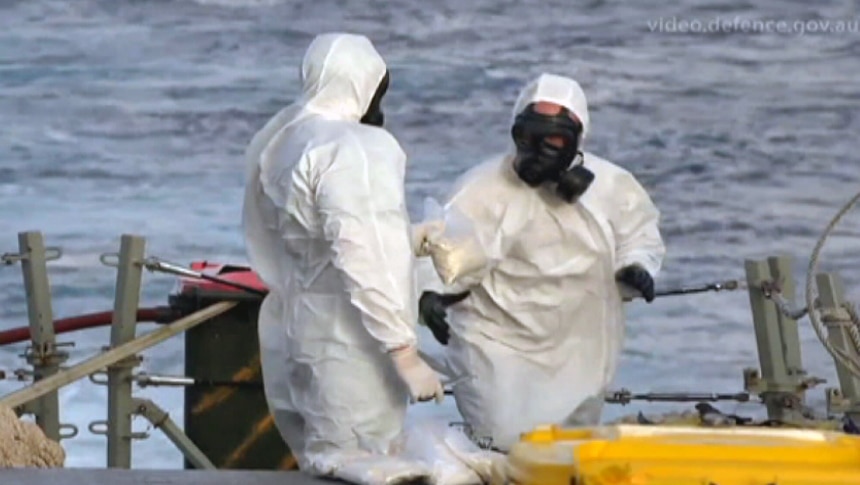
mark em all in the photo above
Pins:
pixel 674 455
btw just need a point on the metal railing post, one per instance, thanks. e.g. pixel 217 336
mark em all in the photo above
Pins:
pixel 780 268
pixel 838 323
pixel 778 383
pixel 43 354
pixel 127 299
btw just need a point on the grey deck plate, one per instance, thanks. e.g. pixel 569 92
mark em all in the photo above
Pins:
pixel 90 476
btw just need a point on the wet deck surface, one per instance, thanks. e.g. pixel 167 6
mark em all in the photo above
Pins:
pixel 86 476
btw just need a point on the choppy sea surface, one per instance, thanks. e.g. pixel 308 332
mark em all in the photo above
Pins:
pixel 125 116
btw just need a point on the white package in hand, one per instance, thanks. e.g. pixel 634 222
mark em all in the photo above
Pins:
pixel 456 250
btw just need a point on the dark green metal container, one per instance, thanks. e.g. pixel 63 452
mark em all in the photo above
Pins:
pixel 226 414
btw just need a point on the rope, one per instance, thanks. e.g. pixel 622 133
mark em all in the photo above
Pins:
pixel 784 307
pixel 852 314
pixel 838 354
pixel 854 324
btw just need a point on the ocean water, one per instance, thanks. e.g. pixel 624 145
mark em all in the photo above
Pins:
pixel 125 116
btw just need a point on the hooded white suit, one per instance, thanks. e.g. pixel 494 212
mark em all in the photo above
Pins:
pixel 326 228
pixel 538 338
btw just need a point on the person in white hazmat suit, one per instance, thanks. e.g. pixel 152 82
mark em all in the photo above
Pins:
pixel 535 248
pixel 326 228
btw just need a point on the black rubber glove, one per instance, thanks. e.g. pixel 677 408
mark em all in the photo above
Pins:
pixel 636 276
pixel 432 306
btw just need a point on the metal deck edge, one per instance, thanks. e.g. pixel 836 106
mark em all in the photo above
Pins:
pixel 116 476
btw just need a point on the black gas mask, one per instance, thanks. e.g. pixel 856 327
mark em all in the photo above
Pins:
pixel 373 115
pixel 541 160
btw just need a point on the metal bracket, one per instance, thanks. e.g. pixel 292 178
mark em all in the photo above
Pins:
pixel 95 427
pixel 754 384
pixel 112 260
pixel 94 378
pixel 47 355
pixel 109 259
pixel 786 399
pixel 33 408
pixel 837 403
pixel 19 375
pixel 71 434
pixel 100 377
pixel 102 427
pixel 51 254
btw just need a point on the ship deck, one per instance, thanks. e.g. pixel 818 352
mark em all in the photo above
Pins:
pixel 92 476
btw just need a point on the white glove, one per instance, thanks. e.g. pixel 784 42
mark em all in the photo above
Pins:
pixel 422 381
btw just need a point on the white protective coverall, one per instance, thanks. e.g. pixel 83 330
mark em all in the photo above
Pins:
pixel 326 229
pixel 537 340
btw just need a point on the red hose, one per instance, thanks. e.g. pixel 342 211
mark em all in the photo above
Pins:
pixel 81 322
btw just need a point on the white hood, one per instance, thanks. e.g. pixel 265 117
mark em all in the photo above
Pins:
pixel 558 90
pixel 340 74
